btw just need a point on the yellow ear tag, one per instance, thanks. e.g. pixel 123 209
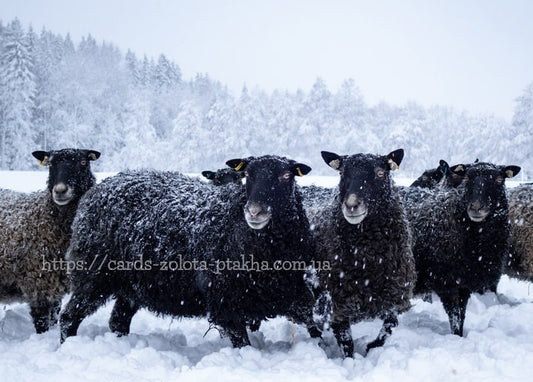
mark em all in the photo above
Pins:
pixel 335 164
pixel 393 165
pixel 239 166
pixel 40 163
pixel 459 168
pixel 509 173
pixel 299 171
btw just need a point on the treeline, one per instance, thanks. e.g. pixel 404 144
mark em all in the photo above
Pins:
pixel 141 112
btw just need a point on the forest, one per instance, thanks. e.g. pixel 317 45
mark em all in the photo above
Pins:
pixel 140 112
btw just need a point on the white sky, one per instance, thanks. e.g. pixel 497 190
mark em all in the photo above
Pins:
pixel 470 54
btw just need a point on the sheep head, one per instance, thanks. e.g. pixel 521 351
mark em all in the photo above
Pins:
pixel 69 174
pixel 270 186
pixel 364 181
pixel 430 178
pixel 223 176
pixel 484 185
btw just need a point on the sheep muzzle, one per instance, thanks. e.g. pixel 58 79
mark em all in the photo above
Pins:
pixel 62 194
pixel 477 212
pixel 354 209
pixel 257 216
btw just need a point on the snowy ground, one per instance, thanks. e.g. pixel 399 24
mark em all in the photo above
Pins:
pixel 498 343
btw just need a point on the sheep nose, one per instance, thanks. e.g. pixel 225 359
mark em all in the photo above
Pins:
pixel 352 201
pixel 60 188
pixel 254 209
pixel 476 206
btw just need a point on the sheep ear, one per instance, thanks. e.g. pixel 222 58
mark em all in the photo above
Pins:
pixel 208 174
pixel 300 169
pixel 93 155
pixel 459 169
pixel 444 167
pixel 43 157
pixel 511 171
pixel 237 164
pixel 394 159
pixel 332 160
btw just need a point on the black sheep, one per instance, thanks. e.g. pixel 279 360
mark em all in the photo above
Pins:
pixel 224 235
pixel 460 238
pixel 364 236
pixel 430 178
pixel 223 176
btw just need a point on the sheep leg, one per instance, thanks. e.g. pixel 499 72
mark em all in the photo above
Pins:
pixel 238 336
pixel 304 315
pixel 343 334
pixel 44 314
pixel 121 316
pixel 390 321
pixel 455 307
pixel 79 306
pixel 254 325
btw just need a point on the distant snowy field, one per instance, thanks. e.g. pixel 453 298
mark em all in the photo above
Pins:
pixel 498 344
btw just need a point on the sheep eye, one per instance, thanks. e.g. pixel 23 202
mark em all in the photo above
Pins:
pixel 246 174
pixel 286 175
pixel 83 163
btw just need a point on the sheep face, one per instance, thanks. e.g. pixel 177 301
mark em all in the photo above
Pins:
pixel 69 175
pixel 484 185
pixel 270 186
pixel 430 178
pixel 223 176
pixel 364 181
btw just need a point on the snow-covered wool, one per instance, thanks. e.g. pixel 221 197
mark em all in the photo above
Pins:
pixel 520 262
pixel 223 176
pixel 35 232
pixel 364 235
pixel 206 248
pixel 316 196
pixel 460 237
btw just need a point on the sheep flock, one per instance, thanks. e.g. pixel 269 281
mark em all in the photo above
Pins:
pixel 247 243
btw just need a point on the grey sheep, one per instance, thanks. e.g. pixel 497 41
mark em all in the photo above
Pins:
pixel 35 229
pixel 520 262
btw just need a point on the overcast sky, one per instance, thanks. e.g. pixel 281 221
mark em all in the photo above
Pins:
pixel 471 54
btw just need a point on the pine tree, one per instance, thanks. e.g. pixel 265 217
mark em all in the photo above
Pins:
pixel 522 128
pixel 133 68
pixel 17 89
pixel 167 74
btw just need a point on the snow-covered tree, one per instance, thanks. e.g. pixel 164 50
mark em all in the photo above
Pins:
pixel 522 129
pixel 17 90
pixel 140 112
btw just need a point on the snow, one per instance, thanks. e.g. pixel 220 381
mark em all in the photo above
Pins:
pixel 497 344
